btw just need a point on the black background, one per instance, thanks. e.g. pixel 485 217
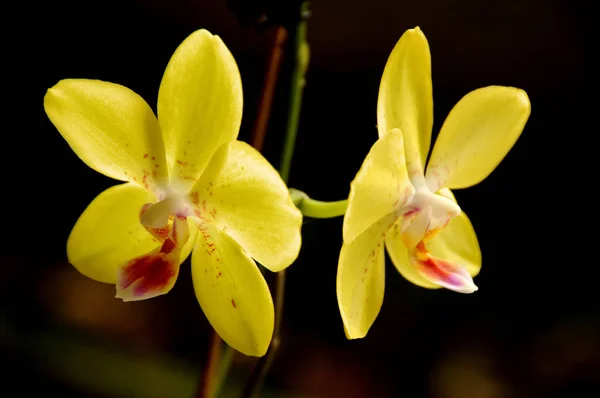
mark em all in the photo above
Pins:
pixel 530 331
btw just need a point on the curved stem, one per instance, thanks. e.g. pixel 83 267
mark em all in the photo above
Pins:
pixel 316 208
pixel 300 54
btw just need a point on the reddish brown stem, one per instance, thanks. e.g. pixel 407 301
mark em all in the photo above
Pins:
pixel 266 100
pixel 207 386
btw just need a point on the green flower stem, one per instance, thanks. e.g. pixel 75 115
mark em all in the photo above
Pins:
pixel 316 208
pixel 300 52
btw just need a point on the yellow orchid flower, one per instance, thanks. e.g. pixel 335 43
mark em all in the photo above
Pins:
pixel 394 201
pixel 189 185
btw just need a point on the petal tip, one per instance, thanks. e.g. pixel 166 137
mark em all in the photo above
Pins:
pixel 353 334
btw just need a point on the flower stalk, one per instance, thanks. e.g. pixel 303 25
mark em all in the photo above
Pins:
pixel 300 52
pixel 317 208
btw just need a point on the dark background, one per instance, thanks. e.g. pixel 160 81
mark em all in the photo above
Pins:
pixel 531 330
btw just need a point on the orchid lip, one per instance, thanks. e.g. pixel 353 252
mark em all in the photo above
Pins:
pixel 444 273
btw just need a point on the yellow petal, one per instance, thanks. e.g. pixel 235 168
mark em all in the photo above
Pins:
pixel 380 187
pixel 111 128
pixel 361 278
pixel 199 104
pixel 406 98
pixel 479 131
pixel 108 234
pixel 400 256
pixel 232 292
pixel 241 193
pixel 457 242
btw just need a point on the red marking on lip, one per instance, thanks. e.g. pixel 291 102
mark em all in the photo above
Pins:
pixel 168 246
pixel 411 212
pixel 151 274
pixel 438 270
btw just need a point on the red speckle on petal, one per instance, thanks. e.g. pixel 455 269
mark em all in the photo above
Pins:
pixel 195 198
pixel 145 155
pixel 233 303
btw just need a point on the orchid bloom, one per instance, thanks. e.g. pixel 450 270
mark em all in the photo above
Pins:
pixel 190 185
pixel 393 200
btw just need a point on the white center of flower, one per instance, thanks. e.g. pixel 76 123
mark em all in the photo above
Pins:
pixel 172 204
pixel 425 212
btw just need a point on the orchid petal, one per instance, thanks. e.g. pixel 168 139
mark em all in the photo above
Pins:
pixel 406 98
pixel 199 104
pixel 457 242
pixel 478 133
pixel 110 128
pixel 232 291
pixel 108 234
pixel 242 194
pixel 380 187
pixel 361 278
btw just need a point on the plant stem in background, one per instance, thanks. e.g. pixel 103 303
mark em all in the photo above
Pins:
pixel 207 386
pixel 218 368
pixel 266 99
pixel 299 52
